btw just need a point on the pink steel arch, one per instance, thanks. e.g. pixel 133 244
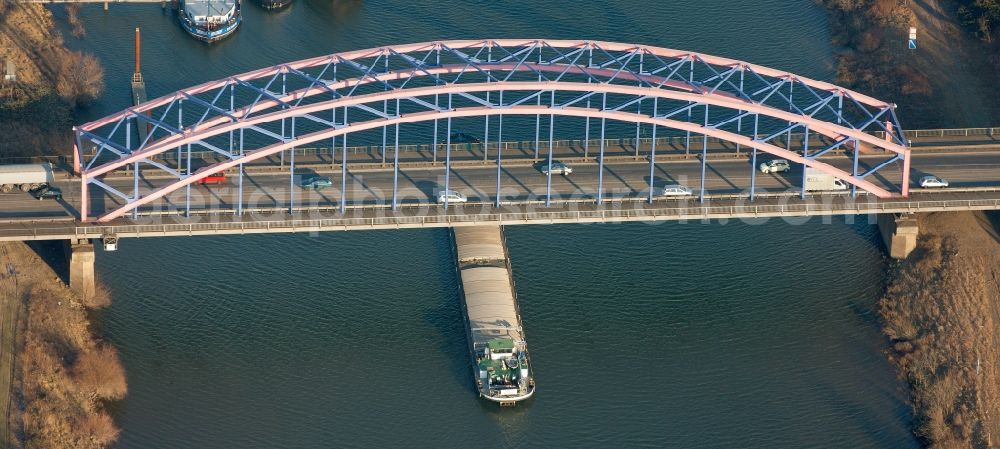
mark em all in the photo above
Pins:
pixel 658 87
pixel 464 44
pixel 476 112
pixel 206 130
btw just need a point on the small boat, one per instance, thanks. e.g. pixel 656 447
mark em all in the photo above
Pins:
pixel 210 20
pixel 274 4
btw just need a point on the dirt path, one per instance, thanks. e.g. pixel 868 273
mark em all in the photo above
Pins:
pixel 10 306
pixel 962 79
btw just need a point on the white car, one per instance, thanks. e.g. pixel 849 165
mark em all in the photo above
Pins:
pixel 451 197
pixel 676 190
pixel 558 168
pixel 774 166
pixel 932 182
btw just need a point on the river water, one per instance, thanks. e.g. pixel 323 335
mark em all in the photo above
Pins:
pixel 733 334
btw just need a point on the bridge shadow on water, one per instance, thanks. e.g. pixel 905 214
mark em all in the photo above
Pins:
pixel 447 315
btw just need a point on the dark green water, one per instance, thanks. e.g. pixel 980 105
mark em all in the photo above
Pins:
pixel 667 335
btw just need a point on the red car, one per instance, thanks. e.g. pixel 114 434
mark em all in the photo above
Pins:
pixel 214 178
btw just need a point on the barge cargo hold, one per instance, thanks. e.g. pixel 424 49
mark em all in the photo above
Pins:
pixel 210 20
pixel 501 366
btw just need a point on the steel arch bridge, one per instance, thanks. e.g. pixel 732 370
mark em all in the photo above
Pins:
pixel 258 114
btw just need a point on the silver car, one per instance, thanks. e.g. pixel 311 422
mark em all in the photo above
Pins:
pixel 451 197
pixel 775 165
pixel 930 182
pixel 676 190
pixel 558 168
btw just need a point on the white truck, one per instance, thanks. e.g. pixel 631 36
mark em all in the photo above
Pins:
pixel 25 177
pixel 816 180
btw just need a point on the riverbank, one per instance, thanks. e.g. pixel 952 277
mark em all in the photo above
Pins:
pixel 941 313
pixel 941 310
pixel 52 83
pixel 55 373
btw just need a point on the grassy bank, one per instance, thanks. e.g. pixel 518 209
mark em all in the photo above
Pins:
pixel 62 374
pixel 53 83
pixel 948 81
pixel 941 313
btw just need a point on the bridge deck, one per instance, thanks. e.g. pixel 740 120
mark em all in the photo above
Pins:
pixel 717 207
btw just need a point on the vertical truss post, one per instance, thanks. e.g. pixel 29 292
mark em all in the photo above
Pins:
pixel 791 107
pixel 739 123
pixel 538 117
pixel 385 110
pixel 434 143
pixel 333 141
pixel 840 107
pixel 84 198
pixel 805 154
pixel 652 155
pixel 135 167
pixel 548 179
pixel 333 119
pixel 187 201
pixel 586 132
pixel 343 169
pixel 436 105
pixel 239 195
pixel 638 109
pixel 77 152
pixel 600 160
pixel 281 156
pixel 753 159
pixel 291 175
pixel 447 159
pixel 486 131
pixel 704 157
pixel 395 163
pixel 499 150
pixel 180 126
pixel 232 106
pixel 687 140
pixel 905 189
pixel 854 171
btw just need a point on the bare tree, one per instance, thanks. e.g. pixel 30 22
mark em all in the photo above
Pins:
pixel 81 78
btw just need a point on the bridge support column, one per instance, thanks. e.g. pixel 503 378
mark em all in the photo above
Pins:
pixel 899 232
pixel 81 267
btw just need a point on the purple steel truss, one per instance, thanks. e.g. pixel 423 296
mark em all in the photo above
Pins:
pixel 288 105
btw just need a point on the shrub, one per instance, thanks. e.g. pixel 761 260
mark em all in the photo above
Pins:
pixel 99 373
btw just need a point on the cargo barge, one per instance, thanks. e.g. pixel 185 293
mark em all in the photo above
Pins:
pixel 210 20
pixel 501 368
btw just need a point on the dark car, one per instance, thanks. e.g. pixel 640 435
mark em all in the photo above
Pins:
pixel 460 137
pixel 43 192
pixel 315 183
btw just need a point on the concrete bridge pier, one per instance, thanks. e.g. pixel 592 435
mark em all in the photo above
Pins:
pixel 899 232
pixel 81 267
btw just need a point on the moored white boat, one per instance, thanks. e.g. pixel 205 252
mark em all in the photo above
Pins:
pixel 210 20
